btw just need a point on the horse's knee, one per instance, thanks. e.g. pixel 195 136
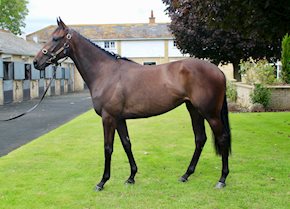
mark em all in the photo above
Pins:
pixel 108 151
pixel 127 143
pixel 200 141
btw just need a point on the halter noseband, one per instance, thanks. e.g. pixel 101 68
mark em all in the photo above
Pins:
pixel 62 49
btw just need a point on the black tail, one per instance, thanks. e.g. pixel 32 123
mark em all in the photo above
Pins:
pixel 225 145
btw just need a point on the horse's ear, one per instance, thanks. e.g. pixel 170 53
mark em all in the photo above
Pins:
pixel 60 23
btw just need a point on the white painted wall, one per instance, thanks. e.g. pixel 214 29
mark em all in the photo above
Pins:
pixel 143 48
pixel 149 48
pixel 173 51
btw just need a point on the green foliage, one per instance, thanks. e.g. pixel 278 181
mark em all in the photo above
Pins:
pixel 261 95
pixel 266 20
pixel 232 94
pixel 61 168
pixel 285 59
pixel 257 71
pixel 12 15
pixel 220 33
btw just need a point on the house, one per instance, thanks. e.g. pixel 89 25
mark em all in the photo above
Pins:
pixel 145 43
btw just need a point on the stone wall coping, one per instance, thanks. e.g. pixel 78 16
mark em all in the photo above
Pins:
pixel 279 87
pixel 268 86
pixel 244 85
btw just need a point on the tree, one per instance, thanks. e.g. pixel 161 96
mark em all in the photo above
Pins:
pixel 266 19
pixel 12 15
pixel 285 58
pixel 223 31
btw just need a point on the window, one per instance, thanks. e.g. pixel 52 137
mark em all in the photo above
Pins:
pixel 27 71
pixel 149 63
pixel 8 71
pixel 112 44
pixel 109 44
pixel 174 44
pixel 62 72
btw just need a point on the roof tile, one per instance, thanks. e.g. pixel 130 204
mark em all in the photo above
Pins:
pixel 12 44
pixel 112 31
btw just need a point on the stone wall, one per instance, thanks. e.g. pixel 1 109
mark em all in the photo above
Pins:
pixel 280 96
pixel 243 94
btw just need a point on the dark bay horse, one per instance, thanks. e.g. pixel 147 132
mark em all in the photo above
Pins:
pixel 122 89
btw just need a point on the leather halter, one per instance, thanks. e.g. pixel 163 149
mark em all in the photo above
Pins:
pixel 63 49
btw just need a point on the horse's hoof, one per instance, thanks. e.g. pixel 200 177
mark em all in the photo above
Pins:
pixel 220 185
pixel 99 188
pixel 130 181
pixel 183 179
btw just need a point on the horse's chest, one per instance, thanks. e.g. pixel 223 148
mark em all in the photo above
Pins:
pixel 109 102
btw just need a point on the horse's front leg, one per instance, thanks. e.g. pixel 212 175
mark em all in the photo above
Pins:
pixel 109 125
pixel 124 136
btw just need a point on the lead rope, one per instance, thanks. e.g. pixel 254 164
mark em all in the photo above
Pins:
pixel 35 106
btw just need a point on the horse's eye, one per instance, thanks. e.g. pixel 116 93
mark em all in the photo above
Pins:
pixel 54 39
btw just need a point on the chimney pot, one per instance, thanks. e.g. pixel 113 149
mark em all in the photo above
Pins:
pixel 152 18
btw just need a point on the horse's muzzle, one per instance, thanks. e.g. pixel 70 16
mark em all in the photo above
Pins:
pixel 38 66
pixel 35 63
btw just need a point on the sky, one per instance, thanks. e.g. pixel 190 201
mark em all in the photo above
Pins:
pixel 43 13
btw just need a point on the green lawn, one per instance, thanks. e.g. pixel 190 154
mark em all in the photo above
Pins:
pixel 60 169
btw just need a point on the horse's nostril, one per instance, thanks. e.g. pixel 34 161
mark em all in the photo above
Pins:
pixel 35 63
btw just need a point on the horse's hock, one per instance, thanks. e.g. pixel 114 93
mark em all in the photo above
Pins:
pixel 280 96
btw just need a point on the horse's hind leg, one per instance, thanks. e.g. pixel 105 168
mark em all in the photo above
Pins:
pixel 222 145
pixel 124 136
pixel 200 138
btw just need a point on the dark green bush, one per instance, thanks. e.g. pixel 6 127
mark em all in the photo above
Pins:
pixel 285 59
pixel 232 94
pixel 260 95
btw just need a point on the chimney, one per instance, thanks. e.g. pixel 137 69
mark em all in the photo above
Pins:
pixel 152 18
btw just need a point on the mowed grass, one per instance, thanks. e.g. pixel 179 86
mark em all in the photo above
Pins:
pixel 61 168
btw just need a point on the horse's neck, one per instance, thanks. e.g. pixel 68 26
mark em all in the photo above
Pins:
pixel 89 59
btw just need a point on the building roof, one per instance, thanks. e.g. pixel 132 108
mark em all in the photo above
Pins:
pixel 14 45
pixel 111 31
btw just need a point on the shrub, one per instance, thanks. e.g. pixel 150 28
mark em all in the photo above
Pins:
pixel 257 71
pixel 232 94
pixel 260 95
pixel 285 59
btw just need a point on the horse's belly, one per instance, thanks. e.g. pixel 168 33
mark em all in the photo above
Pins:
pixel 154 94
pixel 147 107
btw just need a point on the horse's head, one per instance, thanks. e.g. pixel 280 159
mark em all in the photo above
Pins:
pixel 56 48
